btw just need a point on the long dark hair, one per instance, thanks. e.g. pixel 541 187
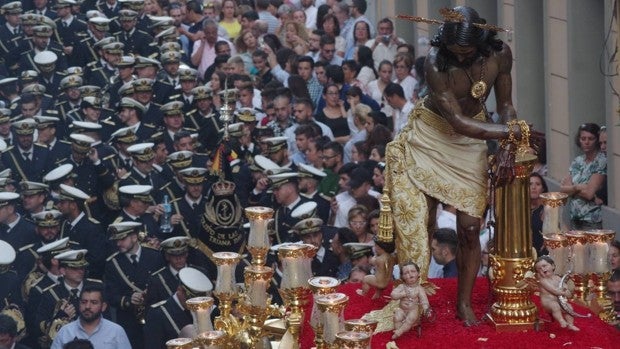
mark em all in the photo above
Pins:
pixel 364 58
pixel 464 34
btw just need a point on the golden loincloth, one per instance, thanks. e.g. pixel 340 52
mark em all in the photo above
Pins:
pixel 428 157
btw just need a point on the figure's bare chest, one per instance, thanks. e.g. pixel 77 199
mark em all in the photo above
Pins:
pixel 471 83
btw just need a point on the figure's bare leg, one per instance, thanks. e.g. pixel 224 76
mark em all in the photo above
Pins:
pixel 557 316
pixel 431 225
pixel 468 263
pixel 407 324
pixel 369 280
pixel 571 322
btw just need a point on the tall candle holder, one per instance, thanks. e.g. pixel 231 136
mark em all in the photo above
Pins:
pixel 552 202
pixel 255 306
pixel 200 307
pixel 296 270
pixel 556 245
pixel 577 263
pixel 361 325
pixel 600 266
pixel 211 340
pixel 226 292
pixel 332 308
pixel 352 340
pixel 320 285
pixel 180 343
pixel 258 240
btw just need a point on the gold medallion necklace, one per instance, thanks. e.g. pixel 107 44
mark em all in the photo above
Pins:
pixel 478 88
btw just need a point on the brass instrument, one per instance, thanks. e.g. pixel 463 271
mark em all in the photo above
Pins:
pixel 14 311
pixel 57 322
pixel 139 310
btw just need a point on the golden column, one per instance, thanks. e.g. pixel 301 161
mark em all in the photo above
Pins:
pixel 513 309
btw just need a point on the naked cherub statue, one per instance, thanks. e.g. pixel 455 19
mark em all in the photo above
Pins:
pixel 550 291
pixel 410 295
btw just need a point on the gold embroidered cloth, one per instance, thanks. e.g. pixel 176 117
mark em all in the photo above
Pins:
pixel 428 157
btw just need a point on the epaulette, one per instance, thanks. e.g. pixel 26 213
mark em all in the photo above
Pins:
pixel 93 220
pixel 65 142
pixel 24 248
pixel 158 271
pixel 150 125
pixel 13 106
pixel 109 122
pixel 158 304
pixel 173 96
pixel 109 157
pixel 81 21
pixel 39 145
pixel 48 95
pixel 108 109
pixel 95 280
pixel 190 129
pixel 111 256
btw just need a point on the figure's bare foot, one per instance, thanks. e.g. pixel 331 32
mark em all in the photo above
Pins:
pixel 466 314
pixel 563 324
pixel 396 334
pixel 376 295
pixel 360 292
pixel 573 327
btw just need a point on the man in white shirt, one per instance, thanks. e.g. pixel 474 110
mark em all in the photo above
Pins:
pixel 395 96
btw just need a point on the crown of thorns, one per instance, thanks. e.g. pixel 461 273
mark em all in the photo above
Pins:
pixel 451 16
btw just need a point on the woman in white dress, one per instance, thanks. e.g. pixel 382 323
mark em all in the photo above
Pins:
pixel 376 87
pixel 402 67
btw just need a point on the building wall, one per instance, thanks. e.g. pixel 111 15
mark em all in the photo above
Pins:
pixel 565 72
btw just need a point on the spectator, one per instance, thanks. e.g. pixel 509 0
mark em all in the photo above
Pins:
pixel 537 187
pixel 331 27
pixel 394 95
pixel 8 333
pixel 343 236
pixel 614 255
pixel 362 34
pixel 228 19
pixel 586 175
pixel 384 46
pixel 403 63
pixel 443 249
pixel 334 114
pixel 357 217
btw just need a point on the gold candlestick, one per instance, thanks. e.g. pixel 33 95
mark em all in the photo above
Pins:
pixel 332 307
pixel 556 245
pixel 352 340
pixel 226 293
pixel 180 343
pixel 257 300
pixel 200 307
pixel 361 325
pixel 320 285
pixel 513 309
pixel 258 240
pixel 552 202
pixel 211 340
pixel 296 265
pixel 577 256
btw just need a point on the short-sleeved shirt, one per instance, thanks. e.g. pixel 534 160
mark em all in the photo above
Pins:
pixel 108 335
pixel 580 172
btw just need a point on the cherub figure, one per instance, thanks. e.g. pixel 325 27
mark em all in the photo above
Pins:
pixel 383 263
pixel 550 292
pixel 411 296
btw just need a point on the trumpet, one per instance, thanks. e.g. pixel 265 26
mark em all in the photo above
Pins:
pixel 58 320
pixel 140 310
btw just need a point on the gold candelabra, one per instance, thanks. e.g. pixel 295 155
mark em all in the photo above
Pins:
pixel 296 264
pixel 320 285
pixel 258 240
pixel 352 340
pixel 331 307
pixel 577 259
pixel 211 340
pixel 226 292
pixel 200 307
pixel 513 309
pixel 180 343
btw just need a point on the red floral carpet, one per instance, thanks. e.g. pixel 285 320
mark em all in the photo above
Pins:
pixel 448 332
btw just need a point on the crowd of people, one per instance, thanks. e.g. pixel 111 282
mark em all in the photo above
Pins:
pixel 121 180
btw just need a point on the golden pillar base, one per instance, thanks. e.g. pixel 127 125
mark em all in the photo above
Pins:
pixel 513 309
pixel 580 293
pixel 259 255
pixel 295 299
pixel 227 322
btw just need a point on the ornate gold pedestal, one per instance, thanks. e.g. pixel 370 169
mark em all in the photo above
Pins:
pixel 513 309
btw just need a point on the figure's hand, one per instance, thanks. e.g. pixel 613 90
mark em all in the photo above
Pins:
pixel 262 184
pixel 503 165
pixel 68 309
pixel 176 219
pixel 93 155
